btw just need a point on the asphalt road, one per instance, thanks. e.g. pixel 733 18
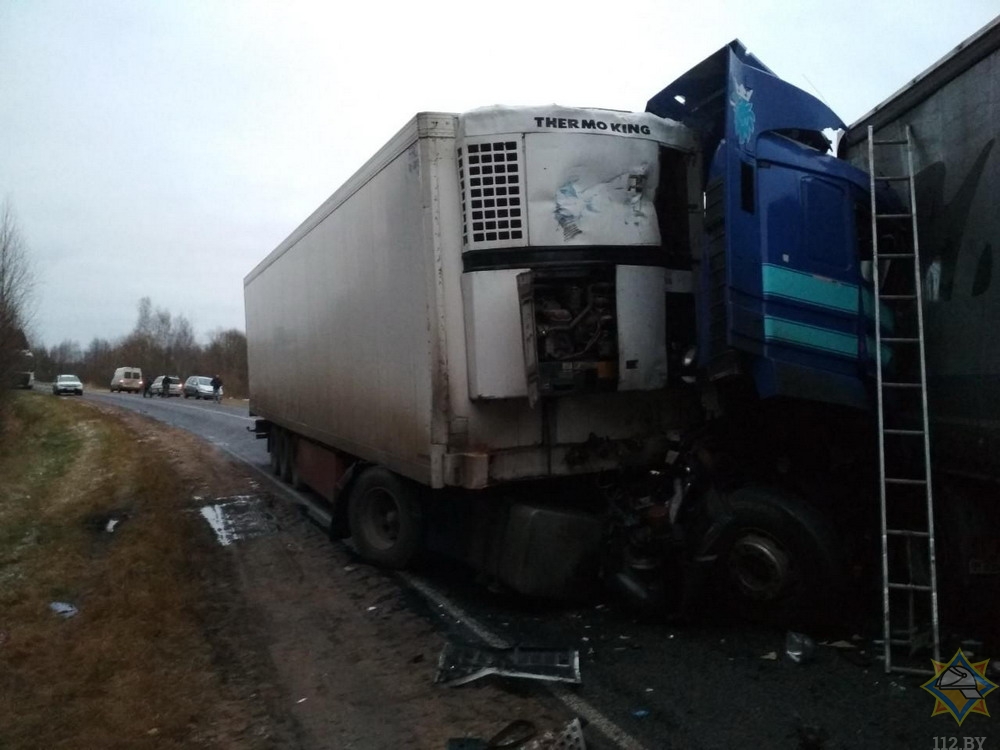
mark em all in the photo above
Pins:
pixel 654 684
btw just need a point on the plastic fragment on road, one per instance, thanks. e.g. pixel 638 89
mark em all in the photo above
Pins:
pixel 799 647
pixel 110 526
pixel 640 713
pixel 63 609
pixel 770 656
pixel 462 663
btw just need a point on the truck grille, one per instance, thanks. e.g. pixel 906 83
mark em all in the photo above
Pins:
pixel 490 174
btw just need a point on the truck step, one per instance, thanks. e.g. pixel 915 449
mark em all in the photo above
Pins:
pixel 899 340
pixel 900 385
pixel 907 532
pixel 899 431
pixel 897 297
pixel 905 481
pixel 909 587
pixel 891 142
pixel 896 256
pixel 893 216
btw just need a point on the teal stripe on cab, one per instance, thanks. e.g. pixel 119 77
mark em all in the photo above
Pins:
pixel 790 332
pixel 807 287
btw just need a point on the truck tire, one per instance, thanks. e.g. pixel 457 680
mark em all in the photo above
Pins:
pixel 386 518
pixel 779 561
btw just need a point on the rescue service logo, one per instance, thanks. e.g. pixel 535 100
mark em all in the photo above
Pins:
pixel 959 687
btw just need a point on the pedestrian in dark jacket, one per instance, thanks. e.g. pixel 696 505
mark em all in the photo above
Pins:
pixel 217 389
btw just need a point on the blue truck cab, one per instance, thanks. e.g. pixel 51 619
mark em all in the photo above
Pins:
pixel 781 295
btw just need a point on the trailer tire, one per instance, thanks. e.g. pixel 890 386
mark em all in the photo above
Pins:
pixel 779 561
pixel 386 518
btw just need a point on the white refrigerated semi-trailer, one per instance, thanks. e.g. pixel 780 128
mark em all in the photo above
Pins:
pixel 485 300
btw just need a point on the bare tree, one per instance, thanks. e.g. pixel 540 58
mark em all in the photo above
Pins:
pixel 16 287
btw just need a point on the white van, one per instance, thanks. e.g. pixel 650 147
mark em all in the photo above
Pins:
pixel 127 379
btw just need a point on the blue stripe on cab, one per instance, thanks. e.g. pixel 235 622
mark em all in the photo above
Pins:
pixel 779 330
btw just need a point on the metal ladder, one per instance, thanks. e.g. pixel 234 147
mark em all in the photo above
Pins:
pixel 898 493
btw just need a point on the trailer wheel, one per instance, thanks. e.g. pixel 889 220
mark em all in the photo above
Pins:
pixel 386 518
pixel 779 560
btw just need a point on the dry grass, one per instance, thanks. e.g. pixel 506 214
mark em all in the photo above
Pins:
pixel 133 668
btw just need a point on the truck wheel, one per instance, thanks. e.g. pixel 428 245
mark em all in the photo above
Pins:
pixel 386 518
pixel 779 561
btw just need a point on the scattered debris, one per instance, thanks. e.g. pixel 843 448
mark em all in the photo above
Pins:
pixel 238 517
pixel 350 568
pixel 570 738
pixel 799 647
pixel 301 700
pixel 462 663
pixel 110 526
pixel 838 644
pixel 63 609
pixel 417 659
pixel 513 735
pixel 640 713
pixel 373 608
pixel 770 656
pixel 650 690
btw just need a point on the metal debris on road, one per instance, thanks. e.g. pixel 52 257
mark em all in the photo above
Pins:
pixel 799 647
pixel 63 609
pixel 570 738
pixel 462 663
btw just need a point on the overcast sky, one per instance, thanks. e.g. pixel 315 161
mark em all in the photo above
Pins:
pixel 162 149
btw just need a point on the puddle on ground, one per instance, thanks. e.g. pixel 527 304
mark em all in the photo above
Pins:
pixel 238 518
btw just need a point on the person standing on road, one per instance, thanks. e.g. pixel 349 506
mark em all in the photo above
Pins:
pixel 147 388
pixel 217 389
pixel 165 387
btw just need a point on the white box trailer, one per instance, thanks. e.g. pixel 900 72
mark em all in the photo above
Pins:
pixel 388 325
pixel 391 328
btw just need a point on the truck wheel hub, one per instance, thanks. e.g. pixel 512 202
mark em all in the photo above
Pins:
pixel 381 519
pixel 758 566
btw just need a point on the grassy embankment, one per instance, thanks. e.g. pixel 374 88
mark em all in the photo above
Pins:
pixel 133 668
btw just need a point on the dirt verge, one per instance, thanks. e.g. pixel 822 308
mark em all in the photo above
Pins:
pixel 279 640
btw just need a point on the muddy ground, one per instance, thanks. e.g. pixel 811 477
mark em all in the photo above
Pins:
pixel 325 651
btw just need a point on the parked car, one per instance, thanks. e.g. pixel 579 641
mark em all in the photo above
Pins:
pixel 199 386
pixel 67 384
pixel 173 386
pixel 127 379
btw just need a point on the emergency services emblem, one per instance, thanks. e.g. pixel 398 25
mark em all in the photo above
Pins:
pixel 959 687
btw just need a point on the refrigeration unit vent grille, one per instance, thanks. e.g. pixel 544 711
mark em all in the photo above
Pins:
pixel 492 194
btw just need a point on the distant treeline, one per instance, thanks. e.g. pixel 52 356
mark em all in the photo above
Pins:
pixel 160 344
